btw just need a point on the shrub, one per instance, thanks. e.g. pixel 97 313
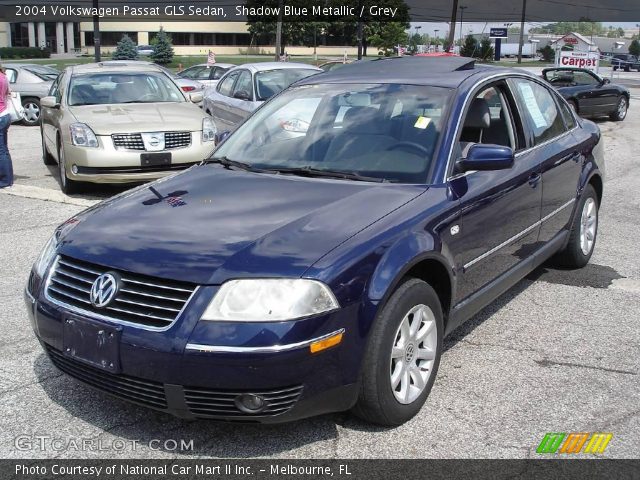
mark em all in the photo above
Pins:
pixel 162 48
pixel 24 52
pixel 126 49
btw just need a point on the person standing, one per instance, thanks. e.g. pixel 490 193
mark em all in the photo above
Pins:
pixel 6 167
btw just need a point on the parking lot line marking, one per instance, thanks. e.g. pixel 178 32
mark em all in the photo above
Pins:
pixel 46 194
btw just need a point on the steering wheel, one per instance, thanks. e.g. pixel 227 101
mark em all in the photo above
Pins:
pixel 408 146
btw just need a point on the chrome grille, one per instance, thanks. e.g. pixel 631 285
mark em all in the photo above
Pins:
pixel 176 140
pixel 133 141
pixel 129 141
pixel 145 392
pixel 143 301
pixel 203 402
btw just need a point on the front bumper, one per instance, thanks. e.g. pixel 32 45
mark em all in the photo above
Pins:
pixel 170 370
pixel 106 164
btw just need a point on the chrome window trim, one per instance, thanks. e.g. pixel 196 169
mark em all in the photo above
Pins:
pixel 474 88
pixel 98 316
pixel 517 235
pixel 195 347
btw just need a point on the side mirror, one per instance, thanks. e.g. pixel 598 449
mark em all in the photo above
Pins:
pixel 486 157
pixel 222 136
pixel 196 97
pixel 605 81
pixel 242 95
pixel 49 102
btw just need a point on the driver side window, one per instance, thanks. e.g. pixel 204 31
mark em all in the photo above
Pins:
pixel 488 120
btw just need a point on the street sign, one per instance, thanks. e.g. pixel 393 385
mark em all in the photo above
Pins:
pixel 498 33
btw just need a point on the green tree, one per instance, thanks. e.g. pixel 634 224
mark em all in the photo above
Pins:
pixel 388 36
pixel 162 48
pixel 125 50
pixel 469 47
pixel 634 47
pixel 486 49
pixel 548 53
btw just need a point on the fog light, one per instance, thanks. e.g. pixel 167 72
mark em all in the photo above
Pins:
pixel 250 403
pixel 74 169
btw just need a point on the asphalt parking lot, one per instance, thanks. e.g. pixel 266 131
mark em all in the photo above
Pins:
pixel 560 352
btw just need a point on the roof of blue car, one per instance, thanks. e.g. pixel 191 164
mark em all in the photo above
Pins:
pixel 436 71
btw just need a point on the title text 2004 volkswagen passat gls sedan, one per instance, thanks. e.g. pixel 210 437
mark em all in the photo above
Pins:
pixel 116 123
pixel 291 275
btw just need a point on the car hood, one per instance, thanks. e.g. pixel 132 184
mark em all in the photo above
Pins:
pixel 209 224
pixel 140 117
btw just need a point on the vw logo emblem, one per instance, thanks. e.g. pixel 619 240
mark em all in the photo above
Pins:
pixel 103 290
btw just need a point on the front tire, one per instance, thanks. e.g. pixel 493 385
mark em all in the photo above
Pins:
pixel 583 234
pixel 402 356
pixel 67 185
pixel 32 111
pixel 620 112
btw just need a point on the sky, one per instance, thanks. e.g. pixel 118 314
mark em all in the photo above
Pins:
pixel 475 27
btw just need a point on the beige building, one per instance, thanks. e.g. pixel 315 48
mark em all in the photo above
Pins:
pixel 189 38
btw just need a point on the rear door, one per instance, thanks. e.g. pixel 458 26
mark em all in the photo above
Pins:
pixel 241 108
pixel 220 100
pixel 500 209
pixel 554 149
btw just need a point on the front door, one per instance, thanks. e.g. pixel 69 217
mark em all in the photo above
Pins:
pixel 500 210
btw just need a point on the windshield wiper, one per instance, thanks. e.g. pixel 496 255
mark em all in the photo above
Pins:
pixel 227 163
pixel 317 172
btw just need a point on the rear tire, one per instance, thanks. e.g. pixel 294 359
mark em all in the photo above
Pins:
pixel 583 234
pixel 620 112
pixel 402 356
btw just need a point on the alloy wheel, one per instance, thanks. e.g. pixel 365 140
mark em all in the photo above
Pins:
pixel 31 112
pixel 622 108
pixel 413 354
pixel 588 225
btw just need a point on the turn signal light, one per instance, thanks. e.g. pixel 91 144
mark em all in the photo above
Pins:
pixel 325 343
pixel 188 88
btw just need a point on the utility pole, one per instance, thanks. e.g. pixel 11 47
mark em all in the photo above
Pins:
pixel 452 26
pixel 522 19
pixel 96 32
pixel 359 35
pixel 279 32
pixel 462 9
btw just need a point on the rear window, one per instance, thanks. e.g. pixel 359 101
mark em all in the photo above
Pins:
pixel 272 82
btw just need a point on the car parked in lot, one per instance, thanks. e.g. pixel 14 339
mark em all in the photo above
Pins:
pixel 334 64
pixel 144 50
pixel 206 74
pixel 33 82
pixel 589 94
pixel 106 123
pixel 243 89
pixel 284 278
pixel 626 62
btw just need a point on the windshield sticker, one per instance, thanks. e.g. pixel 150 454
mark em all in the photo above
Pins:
pixel 422 122
pixel 532 105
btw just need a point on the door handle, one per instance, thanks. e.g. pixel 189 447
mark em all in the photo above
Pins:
pixel 575 156
pixel 534 179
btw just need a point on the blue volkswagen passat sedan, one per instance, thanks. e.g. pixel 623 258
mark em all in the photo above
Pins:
pixel 316 261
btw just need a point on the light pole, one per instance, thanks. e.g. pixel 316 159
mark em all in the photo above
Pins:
pixel 462 9
pixel 521 41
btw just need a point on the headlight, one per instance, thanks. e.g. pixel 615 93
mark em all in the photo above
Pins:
pixel 208 130
pixel 82 135
pixel 269 300
pixel 46 256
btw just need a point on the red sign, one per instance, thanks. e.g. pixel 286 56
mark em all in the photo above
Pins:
pixel 588 60
pixel 570 40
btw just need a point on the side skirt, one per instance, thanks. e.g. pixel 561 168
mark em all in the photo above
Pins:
pixel 471 305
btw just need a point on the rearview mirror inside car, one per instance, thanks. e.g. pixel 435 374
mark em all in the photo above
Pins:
pixel 486 157
pixel 49 102
pixel 196 97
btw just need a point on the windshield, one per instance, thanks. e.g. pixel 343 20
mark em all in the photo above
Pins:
pixel 118 87
pixel 385 132
pixel 271 82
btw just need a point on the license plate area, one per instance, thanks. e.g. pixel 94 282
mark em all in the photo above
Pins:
pixel 91 342
pixel 155 159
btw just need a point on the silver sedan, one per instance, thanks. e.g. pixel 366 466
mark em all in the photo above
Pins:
pixel 244 88
pixel 33 82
